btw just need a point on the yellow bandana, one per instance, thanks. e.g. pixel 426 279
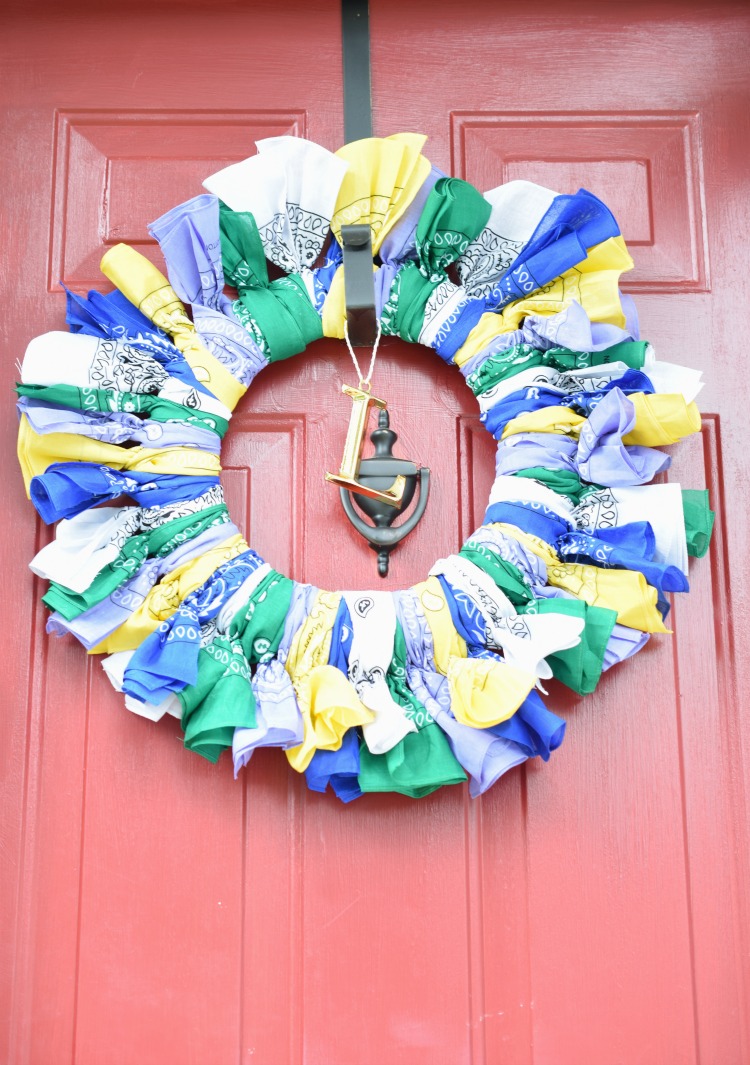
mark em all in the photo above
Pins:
pixel 327 700
pixel 623 590
pixel 166 596
pixel 593 283
pixel 37 451
pixel 148 289
pixel 383 178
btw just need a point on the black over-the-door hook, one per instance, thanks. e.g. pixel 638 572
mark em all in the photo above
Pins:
pixel 359 285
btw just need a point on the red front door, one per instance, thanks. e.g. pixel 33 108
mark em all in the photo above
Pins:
pixel 590 911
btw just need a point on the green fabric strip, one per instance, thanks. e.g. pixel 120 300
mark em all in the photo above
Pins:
pixel 699 520
pixel 278 313
pixel 395 678
pixel 564 482
pixel 103 400
pixel 159 543
pixel 421 763
pixel 453 215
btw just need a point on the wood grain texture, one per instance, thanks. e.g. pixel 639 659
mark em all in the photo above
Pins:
pixel 591 911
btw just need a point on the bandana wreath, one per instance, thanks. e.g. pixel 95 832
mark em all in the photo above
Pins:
pixel 374 691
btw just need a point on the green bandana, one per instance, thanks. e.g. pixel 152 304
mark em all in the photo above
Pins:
pixel 505 575
pixel 579 667
pixel 279 314
pixel 220 701
pixel 100 399
pixel 260 624
pixel 453 215
pixel 158 543
pixel 404 312
pixel 421 763
pixel 699 520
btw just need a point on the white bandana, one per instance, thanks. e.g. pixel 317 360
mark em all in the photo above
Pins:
pixel 525 640
pixel 114 666
pixel 313 179
pixel 658 504
pixel 517 209
pixel 84 545
pixel 373 617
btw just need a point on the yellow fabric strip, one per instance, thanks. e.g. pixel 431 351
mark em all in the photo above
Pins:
pixel 148 289
pixel 447 642
pixel 383 178
pixel 165 597
pixel 593 283
pixel 484 693
pixel 561 420
pixel 662 419
pixel 37 451
pixel 334 306
pixel 623 590
pixel 327 699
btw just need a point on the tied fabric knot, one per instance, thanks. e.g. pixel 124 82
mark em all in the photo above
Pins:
pixel 221 700
pixel 452 217
pixel 261 627
pixel 38 452
pixel 593 285
pixel 69 398
pixel 328 701
pixel 624 591
pixel 450 655
pixel 94 624
pixel 95 373
pixel 373 617
pixel 429 310
pixel 595 447
pixel 190 242
pixel 165 597
pixel 116 427
pixel 127 550
pixel 540 392
pixel 525 642
pixel 67 488
pixel 571 226
pixel 279 313
pixel 423 305
pixel 517 208
pixel 167 660
pixel 483 756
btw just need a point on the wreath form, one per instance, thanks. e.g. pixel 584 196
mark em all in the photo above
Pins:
pixel 366 691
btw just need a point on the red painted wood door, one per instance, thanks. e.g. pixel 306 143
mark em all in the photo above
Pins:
pixel 592 911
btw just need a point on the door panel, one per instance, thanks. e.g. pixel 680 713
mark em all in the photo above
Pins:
pixel 585 912
pixel 632 847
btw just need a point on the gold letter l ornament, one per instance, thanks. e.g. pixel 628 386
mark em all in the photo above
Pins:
pixel 355 440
